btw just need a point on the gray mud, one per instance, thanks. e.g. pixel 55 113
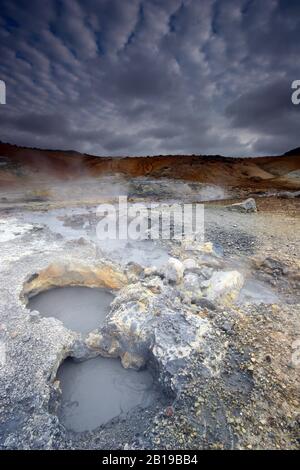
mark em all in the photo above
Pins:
pixel 100 389
pixel 81 309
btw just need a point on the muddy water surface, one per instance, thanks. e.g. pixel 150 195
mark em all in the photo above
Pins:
pixel 97 390
pixel 80 308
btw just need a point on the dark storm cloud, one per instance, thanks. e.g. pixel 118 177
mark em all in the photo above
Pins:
pixel 269 113
pixel 147 76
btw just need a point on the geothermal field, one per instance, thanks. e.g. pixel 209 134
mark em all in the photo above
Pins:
pixel 153 343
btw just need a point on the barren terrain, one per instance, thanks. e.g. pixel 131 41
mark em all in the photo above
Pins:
pixel 28 166
pixel 216 322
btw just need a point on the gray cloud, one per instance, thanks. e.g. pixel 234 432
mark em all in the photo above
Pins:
pixel 146 77
pixel 268 113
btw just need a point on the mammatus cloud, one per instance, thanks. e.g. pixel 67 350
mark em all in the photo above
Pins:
pixel 149 77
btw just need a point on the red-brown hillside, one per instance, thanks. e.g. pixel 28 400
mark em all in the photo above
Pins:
pixel 23 165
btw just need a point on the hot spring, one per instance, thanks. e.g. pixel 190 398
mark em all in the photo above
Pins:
pixel 100 389
pixel 81 309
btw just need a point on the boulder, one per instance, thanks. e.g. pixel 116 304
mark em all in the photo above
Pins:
pixel 174 270
pixel 223 287
pixel 175 339
pixel 189 264
pixel 249 205
pixel 290 194
pixel 191 282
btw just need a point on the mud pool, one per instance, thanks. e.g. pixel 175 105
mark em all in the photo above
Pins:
pixel 80 309
pixel 73 223
pixel 100 389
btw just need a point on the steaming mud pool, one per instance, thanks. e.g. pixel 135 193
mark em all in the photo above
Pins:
pixel 81 309
pixel 100 389
pixel 94 391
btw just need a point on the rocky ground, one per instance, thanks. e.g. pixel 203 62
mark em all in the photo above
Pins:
pixel 217 323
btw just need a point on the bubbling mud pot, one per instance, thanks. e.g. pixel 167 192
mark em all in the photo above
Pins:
pixel 81 309
pixel 100 389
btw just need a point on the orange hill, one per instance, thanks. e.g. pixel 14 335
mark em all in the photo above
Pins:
pixel 23 165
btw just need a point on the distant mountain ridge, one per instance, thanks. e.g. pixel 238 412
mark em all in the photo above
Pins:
pixel 23 165
pixel 293 152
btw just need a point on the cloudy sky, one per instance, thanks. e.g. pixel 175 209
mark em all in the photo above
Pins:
pixel 125 77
